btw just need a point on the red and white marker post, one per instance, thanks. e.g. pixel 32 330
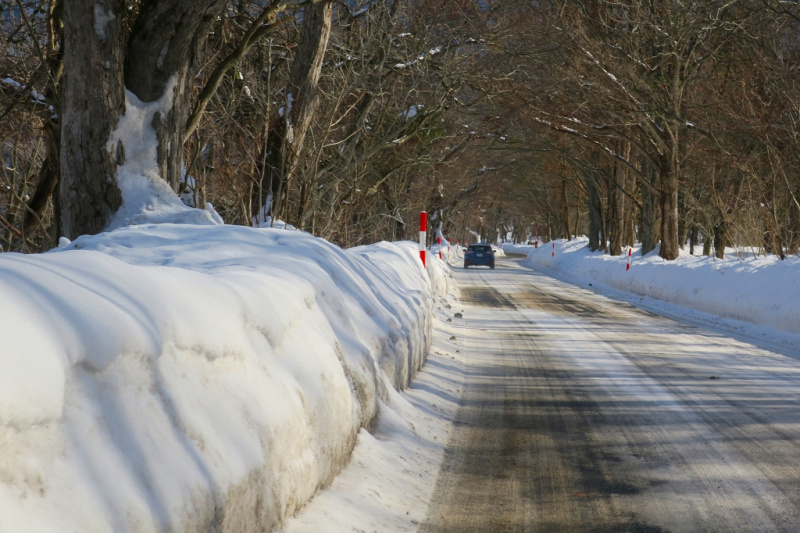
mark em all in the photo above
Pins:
pixel 423 234
pixel 439 244
pixel 554 249
pixel 628 266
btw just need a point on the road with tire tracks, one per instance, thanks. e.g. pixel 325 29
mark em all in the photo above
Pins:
pixel 580 413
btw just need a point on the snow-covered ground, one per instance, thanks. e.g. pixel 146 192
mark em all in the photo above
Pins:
pixel 755 297
pixel 177 377
pixel 190 378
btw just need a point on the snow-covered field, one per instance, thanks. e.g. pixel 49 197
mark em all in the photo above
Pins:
pixel 757 297
pixel 191 378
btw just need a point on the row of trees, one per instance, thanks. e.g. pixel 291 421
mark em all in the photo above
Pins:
pixel 677 120
pixel 671 122
pixel 329 116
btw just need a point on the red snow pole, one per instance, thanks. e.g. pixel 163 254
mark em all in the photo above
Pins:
pixel 628 267
pixel 439 245
pixel 554 249
pixel 423 226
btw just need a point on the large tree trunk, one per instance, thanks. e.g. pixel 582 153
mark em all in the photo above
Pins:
pixel 648 226
pixel 565 208
pixel 595 205
pixel 706 243
pixel 615 212
pixel 98 65
pixel 683 225
pixel 93 102
pixel 669 212
pixel 720 239
pixel 287 138
pixel 161 53
pixel 616 202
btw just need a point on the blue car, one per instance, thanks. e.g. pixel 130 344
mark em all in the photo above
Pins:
pixel 479 254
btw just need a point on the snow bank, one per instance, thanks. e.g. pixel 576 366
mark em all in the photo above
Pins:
pixel 193 378
pixel 759 291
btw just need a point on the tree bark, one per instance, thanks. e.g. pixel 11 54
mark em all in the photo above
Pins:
pixel 287 138
pixel 595 205
pixel 649 222
pixel 565 208
pixel 669 212
pixel 98 65
pixel 720 239
pixel 93 102
pixel 163 45
pixel 616 210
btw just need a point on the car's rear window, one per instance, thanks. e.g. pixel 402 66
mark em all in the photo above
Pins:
pixel 479 248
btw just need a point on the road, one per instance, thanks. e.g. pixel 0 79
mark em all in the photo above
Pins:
pixel 581 413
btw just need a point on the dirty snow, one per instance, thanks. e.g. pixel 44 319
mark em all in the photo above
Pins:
pixel 177 377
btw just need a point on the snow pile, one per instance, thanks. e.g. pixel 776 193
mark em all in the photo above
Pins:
pixel 759 291
pixel 178 377
pixel 146 198
pixel 392 474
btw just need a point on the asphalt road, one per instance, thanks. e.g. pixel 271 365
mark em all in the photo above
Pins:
pixel 580 413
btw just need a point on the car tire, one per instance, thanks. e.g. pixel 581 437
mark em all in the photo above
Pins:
pixel 491 266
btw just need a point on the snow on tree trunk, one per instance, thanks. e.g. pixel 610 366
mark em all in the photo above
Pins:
pixel 161 53
pixel 122 149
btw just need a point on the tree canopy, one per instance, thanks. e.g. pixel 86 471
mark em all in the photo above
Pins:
pixel 665 122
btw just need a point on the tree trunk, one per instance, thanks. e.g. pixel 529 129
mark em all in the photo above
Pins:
pixel 595 205
pixel 93 102
pixel 616 201
pixel 650 217
pixel 287 138
pixel 162 47
pixel 629 233
pixel 772 238
pixel 98 65
pixel 565 208
pixel 615 210
pixel 669 213
pixel 720 239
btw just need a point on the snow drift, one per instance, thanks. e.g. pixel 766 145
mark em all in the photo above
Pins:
pixel 758 291
pixel 188 378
